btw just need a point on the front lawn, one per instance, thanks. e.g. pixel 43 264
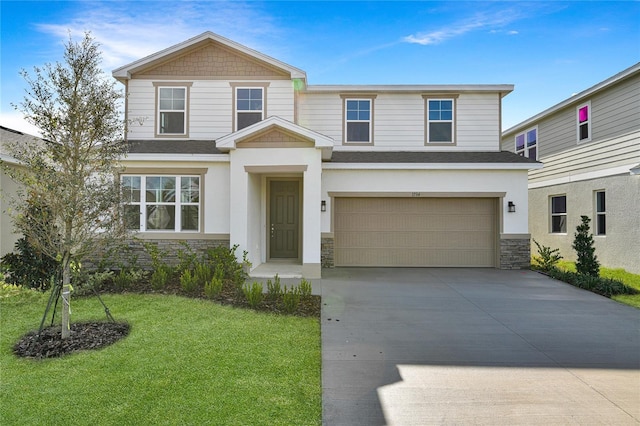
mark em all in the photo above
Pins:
pixel 185 361
pixel 632 280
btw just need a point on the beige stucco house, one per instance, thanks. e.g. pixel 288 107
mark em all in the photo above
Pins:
pixel 230 146
pixel 590 147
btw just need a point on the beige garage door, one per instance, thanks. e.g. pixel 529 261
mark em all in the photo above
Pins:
pixel 415 232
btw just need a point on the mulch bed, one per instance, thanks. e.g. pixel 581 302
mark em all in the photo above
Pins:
pixel 84 336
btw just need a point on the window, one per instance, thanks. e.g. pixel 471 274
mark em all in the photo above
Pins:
pixel 162 203
pixel 172 110
pixel 527 143
pixel 584 122
pixel 358 120
pixel 249 106
pixel 601 213
pixel 440 120
pixel 559 214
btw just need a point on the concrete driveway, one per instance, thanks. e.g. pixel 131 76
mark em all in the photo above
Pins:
pixel 474 346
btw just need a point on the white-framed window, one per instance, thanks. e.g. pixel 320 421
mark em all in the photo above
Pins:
pixel 358 120
pixel 172 111
pixel 249 106
pixel 558 207
pixel 583 120
pixel 161 203
pixel 440 120
pixel 527 143
pixel 601 213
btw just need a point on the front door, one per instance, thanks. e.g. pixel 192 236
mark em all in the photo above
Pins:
pixel 284 218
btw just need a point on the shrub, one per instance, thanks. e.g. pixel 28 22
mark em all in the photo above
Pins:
pixel 126 277
pixel 213 287
pixel 160 277
pixel 273 288
pixel 203 273
pixel 253 293
pixel 547 258
pixel 188 281
pixel 187 258
pixel 603 286
pixel 290 299
pixel 305 289
pixel 91 282
pixel 587 262
pixel 29 267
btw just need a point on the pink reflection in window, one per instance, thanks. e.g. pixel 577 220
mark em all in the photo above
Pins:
pixel 583 114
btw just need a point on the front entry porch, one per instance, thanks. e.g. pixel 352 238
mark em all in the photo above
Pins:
pixel 284 269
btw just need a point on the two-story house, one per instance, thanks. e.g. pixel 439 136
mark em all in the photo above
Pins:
pixel 230 146
pixel 590 147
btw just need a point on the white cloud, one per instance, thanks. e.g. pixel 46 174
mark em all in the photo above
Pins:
pixel 490 20
pixel 16 121
pixel 132 30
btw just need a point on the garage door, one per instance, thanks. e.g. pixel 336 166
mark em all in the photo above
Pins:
pixel 415 232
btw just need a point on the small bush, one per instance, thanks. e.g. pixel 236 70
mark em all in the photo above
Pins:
pixel 91 282
pixel 290 299
pixel 274 290
pixel 188 281
pixel 126 278
pixel 29 267
pixel 603 286
pixel 547 257
pixel 253 293
pixel 203 273
pixel 160 277
pixel 587 262
pixel 187 258
pixel 213 287
pixel 305 289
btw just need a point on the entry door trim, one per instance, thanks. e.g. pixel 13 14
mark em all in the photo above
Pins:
pixel 268 211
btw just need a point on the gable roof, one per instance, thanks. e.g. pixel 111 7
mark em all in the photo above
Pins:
pixel 603 85
pixel 125 72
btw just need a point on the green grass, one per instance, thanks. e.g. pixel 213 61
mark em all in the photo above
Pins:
pixel 186 361
pixel 632 280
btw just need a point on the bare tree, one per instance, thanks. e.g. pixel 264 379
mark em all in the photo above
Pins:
pixel 73 173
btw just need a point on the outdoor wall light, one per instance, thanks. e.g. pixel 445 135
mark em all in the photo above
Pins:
pixel 512 207
pixel 323 206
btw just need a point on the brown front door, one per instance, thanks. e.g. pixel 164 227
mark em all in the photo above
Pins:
pixel 284 218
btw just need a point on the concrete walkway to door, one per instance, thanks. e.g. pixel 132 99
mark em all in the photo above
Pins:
pixel 474 346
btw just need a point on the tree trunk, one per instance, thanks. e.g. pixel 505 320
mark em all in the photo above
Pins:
pixel 66 296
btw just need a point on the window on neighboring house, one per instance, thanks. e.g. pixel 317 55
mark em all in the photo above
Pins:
pixel 601 213
pixel 249 106
pixel 440 125
pixel 559 214
pixel 584 122
pixel 527 143
pixel 358 120
pixel 162 203
pixel 172 108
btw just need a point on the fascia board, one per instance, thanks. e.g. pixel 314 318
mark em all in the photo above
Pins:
pixel 199 158
pixel 431 166
pixel 614 171
pixel 412 88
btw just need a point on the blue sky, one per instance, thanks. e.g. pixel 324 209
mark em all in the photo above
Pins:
pixel 548 50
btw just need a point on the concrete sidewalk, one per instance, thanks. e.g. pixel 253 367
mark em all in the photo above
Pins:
pixel 474 346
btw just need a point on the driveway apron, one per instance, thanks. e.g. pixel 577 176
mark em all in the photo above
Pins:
pixel 474 346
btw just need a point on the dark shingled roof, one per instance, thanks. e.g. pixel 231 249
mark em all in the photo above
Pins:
pixel 172 147
pixel 427 157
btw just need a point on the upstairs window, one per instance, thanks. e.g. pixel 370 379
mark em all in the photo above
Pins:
pixel 601 213
pixel 584 122
pixel 249 106
pixel 161 203
pixel 440 124
pixel 358 120
pixel 559 214
pixel 527 143
pixel 172 110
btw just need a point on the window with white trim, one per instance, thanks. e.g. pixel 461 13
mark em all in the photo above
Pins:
pixel 527 143
pixel 601 213
pixel 583 118
pixel 161 203
pixel 172 107
pixel 440 123
pixel 358 120
pixel 558 214
pixel 249 106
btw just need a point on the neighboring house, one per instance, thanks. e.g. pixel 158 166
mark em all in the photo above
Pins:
pixel 230 146
pixel 590 147
pixel 8 189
